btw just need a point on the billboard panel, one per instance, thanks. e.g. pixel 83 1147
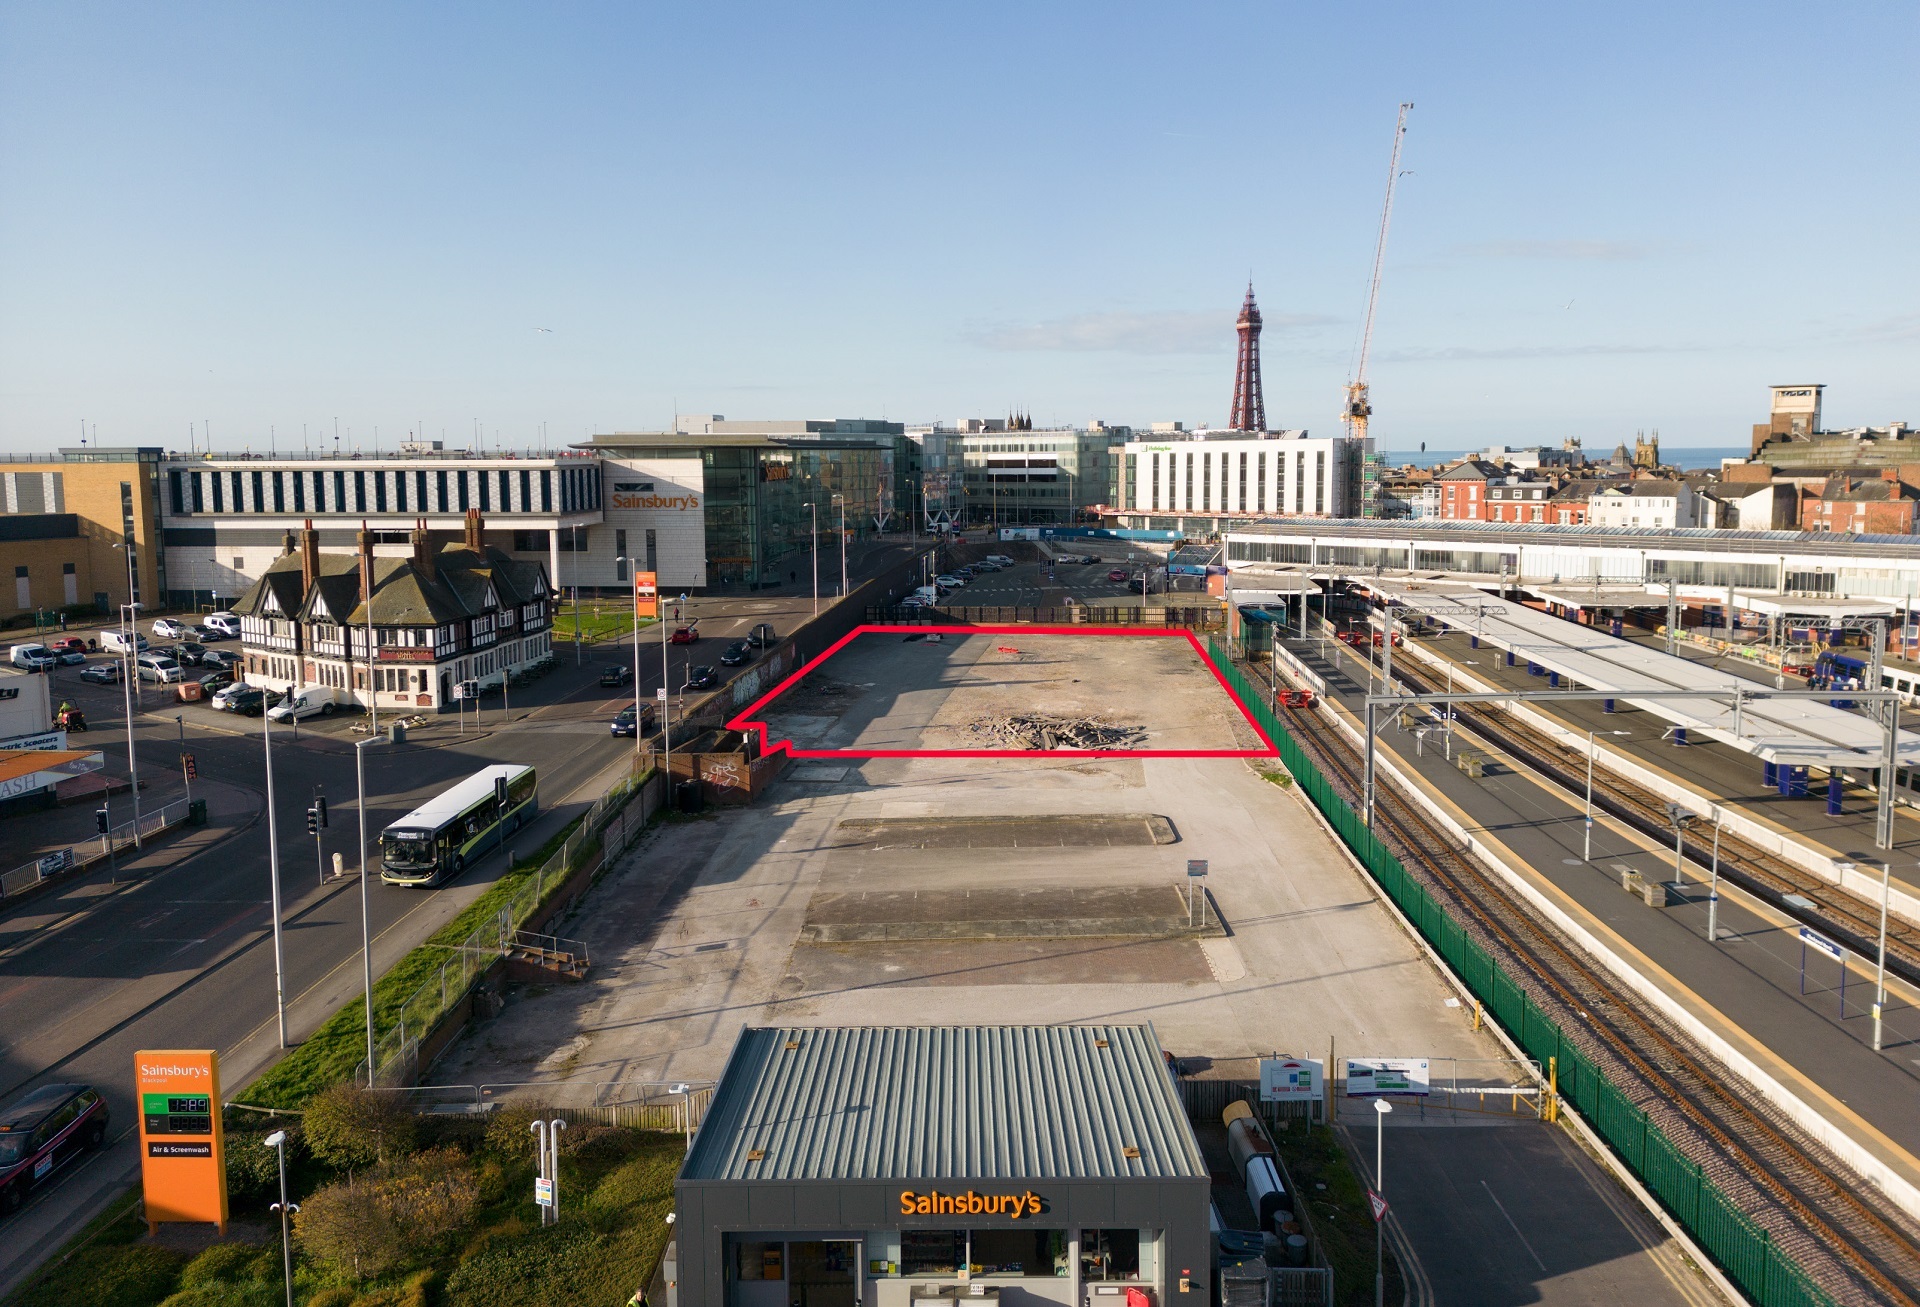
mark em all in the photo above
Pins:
pixel 646 594
pixel 1368 1076
pixel 1291 1079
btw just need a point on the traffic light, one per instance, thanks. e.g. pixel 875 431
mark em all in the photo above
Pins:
pixel 313 821
pixel 320 806
pixel 100 819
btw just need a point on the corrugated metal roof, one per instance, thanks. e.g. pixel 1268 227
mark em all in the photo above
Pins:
pixel 945 1102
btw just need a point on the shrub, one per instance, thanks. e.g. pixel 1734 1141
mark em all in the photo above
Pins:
pixel 510 1129
pixel 123 1276
pixel 253 1169
pixel 401 1211
pixel 231 1261
pixel 335 1296
pixel 228 1293
pixel 350 1127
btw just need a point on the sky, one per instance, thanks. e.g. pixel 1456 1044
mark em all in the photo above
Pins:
pixel 535 222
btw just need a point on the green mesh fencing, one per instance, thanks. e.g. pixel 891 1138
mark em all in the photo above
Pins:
pixel 1742 1249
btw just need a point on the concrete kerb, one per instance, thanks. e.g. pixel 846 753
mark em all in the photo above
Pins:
pixel 1860 883
pixel 1583 1133
pixel 1849 1150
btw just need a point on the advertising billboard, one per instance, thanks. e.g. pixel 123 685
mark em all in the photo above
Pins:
pixel 1368 1076
pixel 646 594
pixel 183 1164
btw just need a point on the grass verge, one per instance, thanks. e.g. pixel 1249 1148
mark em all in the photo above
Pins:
pixel 1335 1199
pixel 331 1053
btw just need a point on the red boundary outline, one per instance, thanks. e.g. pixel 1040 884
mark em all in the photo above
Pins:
pixel 744 720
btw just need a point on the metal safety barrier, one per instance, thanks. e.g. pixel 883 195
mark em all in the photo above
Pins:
pixel 61 861
pixel 1743 1249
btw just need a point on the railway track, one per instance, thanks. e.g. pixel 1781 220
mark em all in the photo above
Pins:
pixel 1858 1252
pixel 1834 912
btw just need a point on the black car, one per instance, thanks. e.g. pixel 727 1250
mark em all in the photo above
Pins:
pixel 189 654
pixel 207 635
pixel 702 678
pixel 43 1132
pixel 622 723
pixel 616 674
pixel 219 658
pixel 214 682
pixel 736 653
pixel 251 700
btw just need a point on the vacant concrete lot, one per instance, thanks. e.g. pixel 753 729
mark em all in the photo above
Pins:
pixel 901 689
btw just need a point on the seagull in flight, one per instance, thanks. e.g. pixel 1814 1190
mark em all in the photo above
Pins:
pixel 548 330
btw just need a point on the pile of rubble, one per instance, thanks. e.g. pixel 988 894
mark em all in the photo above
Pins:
pixel 1043 731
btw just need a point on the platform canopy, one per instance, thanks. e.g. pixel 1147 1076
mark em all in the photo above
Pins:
pixel 1254 587
pixel 1798 732
pixel 1577 596
pixel 1835 610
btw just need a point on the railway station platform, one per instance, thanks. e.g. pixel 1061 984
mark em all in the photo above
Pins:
pixel 1754 986
pixel 1718 774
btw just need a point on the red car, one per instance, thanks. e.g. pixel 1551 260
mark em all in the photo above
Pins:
pixel 72 644
pixel 684 635
pixel 1117 574
pixel 43 1132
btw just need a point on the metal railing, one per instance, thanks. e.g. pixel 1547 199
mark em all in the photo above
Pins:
pixel 603 829
pixel 1735 1240
pixel 1199 618
pixel 80 856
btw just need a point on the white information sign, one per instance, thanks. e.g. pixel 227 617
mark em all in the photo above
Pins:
pixel 1291 1079
pixel 1368 1076
pixel 542 1190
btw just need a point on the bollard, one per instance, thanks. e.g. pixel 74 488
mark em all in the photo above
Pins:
pixel 1680 735
pixel 1833 794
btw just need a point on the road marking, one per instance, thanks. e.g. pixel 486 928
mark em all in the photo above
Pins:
pixel 1516 1229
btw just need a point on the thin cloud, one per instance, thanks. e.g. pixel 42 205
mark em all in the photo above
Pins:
pixel 1899 329
pixel 1171 331
pixel 1578 251
pixel 1470 354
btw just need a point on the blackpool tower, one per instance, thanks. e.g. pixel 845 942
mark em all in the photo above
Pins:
pixel 1249 411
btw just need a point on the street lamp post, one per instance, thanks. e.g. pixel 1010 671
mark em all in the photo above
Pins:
pixel 1381 1108
pixel 1842 866
pixel 366 927
pixel 634 602
pixel 841 501
pixel 1586 848
pixel 1713 884
pixel 273 867
pixel 813 541
pixel 686 1110
pixel 577 654
pixel 278 1142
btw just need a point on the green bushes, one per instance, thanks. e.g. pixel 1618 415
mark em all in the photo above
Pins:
pixel 439 1213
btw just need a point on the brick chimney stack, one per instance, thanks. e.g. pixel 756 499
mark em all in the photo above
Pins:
pixel 366 564
pixel 309 558
pixel 422 551
pixel 476 531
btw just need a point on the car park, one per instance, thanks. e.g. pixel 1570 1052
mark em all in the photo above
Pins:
pixel 102 674
pixel 736 653
pixel 214 682
pixel 32 657
pixel 950 581
pixel 225 623
pixel 67 656
pixel 206 634
pixel 246 700
pixel 224 699
pixel 166 628
pixel 701 678
pixel 616 674
pixel 72 644
pixel 684 635
pixel 44 1131
pixel 762 636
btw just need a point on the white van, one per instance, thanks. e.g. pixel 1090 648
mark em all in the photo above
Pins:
pixel 928 594
pixel 159 667
pixel 33 657
pixel 119 642
pixel 225 623
pixel 310 702
pixel 1001 559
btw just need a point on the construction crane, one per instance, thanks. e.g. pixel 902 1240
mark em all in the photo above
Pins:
pixel 1359 407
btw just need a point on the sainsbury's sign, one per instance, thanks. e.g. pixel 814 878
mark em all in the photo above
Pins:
pixel 677 503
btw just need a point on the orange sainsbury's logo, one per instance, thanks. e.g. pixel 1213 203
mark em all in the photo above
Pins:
pixel 971 1204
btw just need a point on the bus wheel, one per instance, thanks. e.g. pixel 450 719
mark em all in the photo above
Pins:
pixel 459 864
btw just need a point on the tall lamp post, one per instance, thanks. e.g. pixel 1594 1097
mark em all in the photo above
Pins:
pixel 813 539
pixel 1586 847
pixel 278 1141
pixel 366 927
pixel 273 867
pixel 1381 1108
pixel 130 630
pixel 1679 818
pixel 633 602
pixel 1843 866
pixel 840 501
